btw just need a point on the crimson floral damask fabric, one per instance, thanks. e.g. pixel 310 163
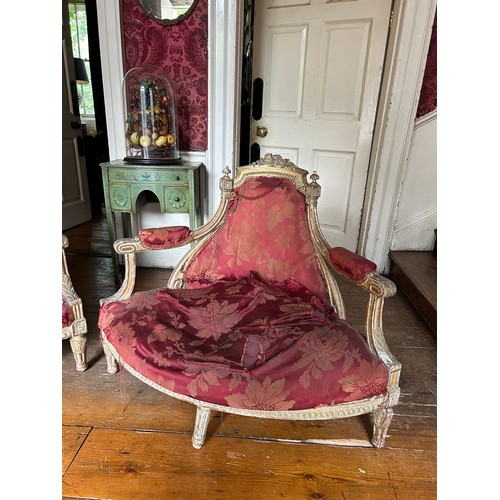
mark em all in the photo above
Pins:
pixel 428 93
pixel 67 313
pixel 244 343
pixel 164 237
pixel 350 264
pixel 265 231
pixel 181 51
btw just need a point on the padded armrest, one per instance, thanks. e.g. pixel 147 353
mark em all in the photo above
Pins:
pixel 164 237
pixel 158 238
pixel 350 265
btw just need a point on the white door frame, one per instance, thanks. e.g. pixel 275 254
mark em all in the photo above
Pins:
pixel 224 83
pixel 110 41
pixel 403 74
pixel 405 64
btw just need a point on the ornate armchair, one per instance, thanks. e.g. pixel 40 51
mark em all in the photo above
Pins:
pixel 74 324
pixel 252 321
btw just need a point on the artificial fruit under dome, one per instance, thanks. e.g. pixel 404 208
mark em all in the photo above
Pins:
pixel 150 127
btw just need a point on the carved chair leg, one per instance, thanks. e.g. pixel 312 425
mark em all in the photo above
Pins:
pixel 110 359
pixel 200 426
pixel 381 421
pixel 79 348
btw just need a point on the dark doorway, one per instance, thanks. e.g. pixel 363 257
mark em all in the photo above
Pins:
pixel 96 146
pixel 246 82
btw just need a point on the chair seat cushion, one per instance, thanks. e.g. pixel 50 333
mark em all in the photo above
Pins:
pixel 244 343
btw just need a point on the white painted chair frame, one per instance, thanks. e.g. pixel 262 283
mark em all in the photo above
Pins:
pixel 77 330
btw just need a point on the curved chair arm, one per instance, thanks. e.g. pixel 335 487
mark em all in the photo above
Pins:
pixel 352 266
pixel 362 271
pixel 167 237
pixel 152 239
pixel 164 237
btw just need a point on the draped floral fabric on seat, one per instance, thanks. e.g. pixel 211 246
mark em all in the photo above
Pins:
pixel 251 320
pixel 245 343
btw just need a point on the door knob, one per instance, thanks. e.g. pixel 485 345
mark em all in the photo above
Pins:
pixel 261 131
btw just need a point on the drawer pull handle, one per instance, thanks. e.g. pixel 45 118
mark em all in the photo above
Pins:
pixel 177 178
pixel 177 199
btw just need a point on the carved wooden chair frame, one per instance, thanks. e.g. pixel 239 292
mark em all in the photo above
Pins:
pixel 77 330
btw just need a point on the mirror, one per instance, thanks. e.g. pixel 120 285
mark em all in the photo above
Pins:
pixel 168 11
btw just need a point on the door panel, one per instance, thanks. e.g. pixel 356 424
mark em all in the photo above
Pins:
pixel 76 208
pixel 285 82
pixel 342 69
pixel 321 62
pixel 336 171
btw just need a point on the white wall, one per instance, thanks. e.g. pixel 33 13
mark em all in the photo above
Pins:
pixel 416 216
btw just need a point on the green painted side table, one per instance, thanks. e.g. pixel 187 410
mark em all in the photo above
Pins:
pixel 177 188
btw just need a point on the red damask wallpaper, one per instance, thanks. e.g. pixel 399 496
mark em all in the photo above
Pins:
pixel 428 93
pixel 181 51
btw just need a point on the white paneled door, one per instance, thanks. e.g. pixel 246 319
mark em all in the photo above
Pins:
pixel 321 63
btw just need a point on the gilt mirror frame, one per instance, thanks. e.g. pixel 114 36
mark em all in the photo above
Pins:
pixel 153 9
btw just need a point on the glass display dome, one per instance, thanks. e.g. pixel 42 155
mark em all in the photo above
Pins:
pixel 150 126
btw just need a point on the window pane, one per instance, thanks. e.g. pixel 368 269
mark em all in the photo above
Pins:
pixel 80 45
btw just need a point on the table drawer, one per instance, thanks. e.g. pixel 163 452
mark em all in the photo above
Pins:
pixel 150 176
pixel 176 199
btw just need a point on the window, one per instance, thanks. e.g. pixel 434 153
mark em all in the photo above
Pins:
pixel 80 44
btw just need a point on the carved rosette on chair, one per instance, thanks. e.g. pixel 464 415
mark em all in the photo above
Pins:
pixel 252 321
pixel 74 324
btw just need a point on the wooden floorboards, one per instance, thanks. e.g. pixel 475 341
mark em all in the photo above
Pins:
pixel 122 439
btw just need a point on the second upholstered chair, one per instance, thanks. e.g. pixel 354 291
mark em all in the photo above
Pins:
pixel 74 324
